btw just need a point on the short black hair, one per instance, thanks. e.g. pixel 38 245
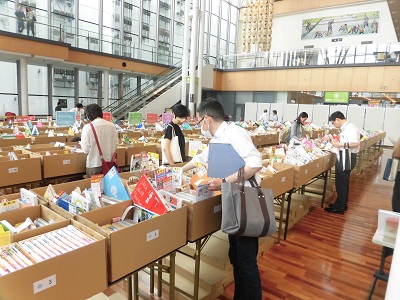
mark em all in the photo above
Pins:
pixel 79 105
pixel 58 103
pixel 337 115
pixel 275 112
pixel 265 110
pixel 93 111
pixel 211 107
pixel 180 111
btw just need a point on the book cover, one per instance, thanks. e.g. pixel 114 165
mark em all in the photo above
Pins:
pixel 145 196
pixel 113 186
pixel 29 196
pixel 136 161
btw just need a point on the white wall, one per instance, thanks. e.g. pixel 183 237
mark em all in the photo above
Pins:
pixel 286 30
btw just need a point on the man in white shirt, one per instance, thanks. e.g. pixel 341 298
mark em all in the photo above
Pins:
pixel 274 116
pixel 79 112
pixel 242 250
pixel 264 117
pixel 350 138
pixel 107 136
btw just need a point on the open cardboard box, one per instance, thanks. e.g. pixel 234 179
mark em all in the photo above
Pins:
pixel 20 171
pixel 303 174
pixel 13 142
pixel 62 164
pixel 280 182
pixel 203 217
pixel 132 150
pixel 78 274
pixel 134 247
pixel 67 187
pixel 33 212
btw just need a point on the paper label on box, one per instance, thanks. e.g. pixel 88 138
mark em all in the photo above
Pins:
pixel 13 170
pixel 217 208
pixel 44 284
pixel 66 162
pixel 283 179
pixel 152 235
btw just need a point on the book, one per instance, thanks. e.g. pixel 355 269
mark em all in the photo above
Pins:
pixel 223 160
pixel 145 196
pixel 136 161
pixel 113 186
pixel 29 196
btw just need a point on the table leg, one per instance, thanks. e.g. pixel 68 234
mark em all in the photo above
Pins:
pixel 324 191
pixel 289 200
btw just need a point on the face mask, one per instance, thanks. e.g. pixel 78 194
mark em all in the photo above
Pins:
pixel 207 134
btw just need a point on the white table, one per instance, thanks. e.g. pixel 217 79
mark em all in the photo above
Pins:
pixel 387 250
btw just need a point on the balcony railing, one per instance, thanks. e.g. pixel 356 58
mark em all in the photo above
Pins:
pixel 63 31
pixel 330 56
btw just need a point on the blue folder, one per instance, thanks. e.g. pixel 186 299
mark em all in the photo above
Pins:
pixel 223 160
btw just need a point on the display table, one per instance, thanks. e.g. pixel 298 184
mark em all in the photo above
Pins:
pixel 387 250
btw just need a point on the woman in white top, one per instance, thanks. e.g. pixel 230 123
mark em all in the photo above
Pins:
pixel 107 136
pixel 274 116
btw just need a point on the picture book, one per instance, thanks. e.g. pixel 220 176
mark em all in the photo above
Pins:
pixel 145 196
pixel 113 186
pixel 136 161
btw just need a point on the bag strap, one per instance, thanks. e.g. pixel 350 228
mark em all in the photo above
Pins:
pixel 97 140
pixel 173 130
pixel 263 206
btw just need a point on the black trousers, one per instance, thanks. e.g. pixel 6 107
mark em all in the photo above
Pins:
pixel 396 194
pixel 243 257
pixel 30 26
pixel 342 181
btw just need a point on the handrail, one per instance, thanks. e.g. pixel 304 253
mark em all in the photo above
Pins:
pixel 146 87
pixel 85 39
pixel 328 56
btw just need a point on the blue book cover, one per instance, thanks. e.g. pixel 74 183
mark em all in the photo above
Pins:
pixel 72 208
pixel 113 186
pixel 223 160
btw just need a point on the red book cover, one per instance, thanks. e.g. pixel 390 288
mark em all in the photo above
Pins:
pixel 145 196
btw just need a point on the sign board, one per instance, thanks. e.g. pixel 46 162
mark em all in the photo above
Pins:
pixel 167 118
pixel 152 118
pixel 107 116
pixel 65 118
pixel 135 118
pixel 25 118
pixel 336 97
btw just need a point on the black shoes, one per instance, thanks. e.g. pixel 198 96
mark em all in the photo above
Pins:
pixel 331 205
pixel 334 210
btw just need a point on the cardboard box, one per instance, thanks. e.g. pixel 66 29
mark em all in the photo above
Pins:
pixel 43 139
pixel 133 248
pixel 203 217
pixel 33 212
pixel 130 134
pixel 63 164
pixel 317 169
pixel 129 151
pixel 66 187
pixel 280 182
pixel 13 142
pixel 78 274
pixel 303 174
pixel 20 171
pixel 329 161
pixel 271 139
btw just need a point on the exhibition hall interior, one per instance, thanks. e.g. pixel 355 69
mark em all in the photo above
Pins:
pixel 134 132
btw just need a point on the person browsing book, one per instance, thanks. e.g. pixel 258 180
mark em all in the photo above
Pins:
pixel 242 250
pixel 297 128
pixel 350 137
pixel 107 136
pixel 179 112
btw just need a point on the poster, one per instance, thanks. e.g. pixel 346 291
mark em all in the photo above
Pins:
pixel 135 118
pixel 167 118
pixel 339 26
pixel 107 116
pixel 152 118
pixel 65 118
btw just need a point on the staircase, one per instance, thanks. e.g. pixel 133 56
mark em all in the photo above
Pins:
pixel 138 99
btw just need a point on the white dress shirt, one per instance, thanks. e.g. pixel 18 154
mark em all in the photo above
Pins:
pixel 108 139
pixel 240 140
pixel 350 134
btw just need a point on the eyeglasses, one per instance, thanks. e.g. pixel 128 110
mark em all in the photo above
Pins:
pixel 198 123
